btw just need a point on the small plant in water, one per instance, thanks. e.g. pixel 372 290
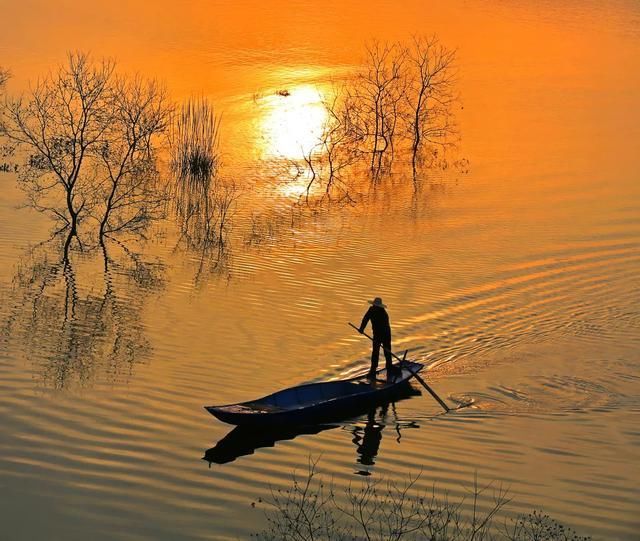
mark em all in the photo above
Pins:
pixel 309 510
pixel 195 141
pixel 537 526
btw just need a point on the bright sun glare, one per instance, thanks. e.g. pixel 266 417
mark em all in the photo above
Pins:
pixel 292 124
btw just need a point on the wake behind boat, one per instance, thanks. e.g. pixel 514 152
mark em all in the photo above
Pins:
pixel 315 402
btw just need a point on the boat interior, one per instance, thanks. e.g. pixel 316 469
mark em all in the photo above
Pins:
pixel 321 392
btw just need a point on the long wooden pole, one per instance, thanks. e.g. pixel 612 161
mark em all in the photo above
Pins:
pixel 414 374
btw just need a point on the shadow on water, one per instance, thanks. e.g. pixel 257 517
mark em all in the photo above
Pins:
pixel 77 316
pixel 368 438
pixel 245 440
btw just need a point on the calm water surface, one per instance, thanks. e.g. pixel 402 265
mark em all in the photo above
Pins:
pixel 517 282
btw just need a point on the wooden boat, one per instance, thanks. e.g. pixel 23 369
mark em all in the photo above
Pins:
pixel 246 439
pixel 315 402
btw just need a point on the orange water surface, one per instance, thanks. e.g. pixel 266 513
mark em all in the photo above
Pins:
pixel 516 280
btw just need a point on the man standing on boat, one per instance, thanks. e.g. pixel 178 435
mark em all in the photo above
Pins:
pixel 381 334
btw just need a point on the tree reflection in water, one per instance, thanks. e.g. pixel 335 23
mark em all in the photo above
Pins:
pixel 203 201
pixel 204 211
pixel 77 316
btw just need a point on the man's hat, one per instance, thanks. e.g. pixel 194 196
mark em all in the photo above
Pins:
pixel 377 302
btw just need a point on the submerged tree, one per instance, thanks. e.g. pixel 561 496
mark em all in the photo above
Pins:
pixel 88 138
pixel 399 103
pixel 130 195
pixel 5 149
pixel 58 124
pixel 376 98
pixel 340 139
pixel 4 77
pixel 430 94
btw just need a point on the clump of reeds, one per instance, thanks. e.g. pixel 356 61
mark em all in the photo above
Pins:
pixel 195 141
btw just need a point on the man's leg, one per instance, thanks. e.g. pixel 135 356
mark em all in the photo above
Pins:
pixel 386 344
pixel 375 353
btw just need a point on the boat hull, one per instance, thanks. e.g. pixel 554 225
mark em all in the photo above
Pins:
pixel 298 405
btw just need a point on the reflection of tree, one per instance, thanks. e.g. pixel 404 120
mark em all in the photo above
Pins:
pixel 203 202
pixel 77 324
pixel 204 213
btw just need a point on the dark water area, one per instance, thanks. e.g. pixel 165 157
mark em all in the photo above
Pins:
pixel 513 275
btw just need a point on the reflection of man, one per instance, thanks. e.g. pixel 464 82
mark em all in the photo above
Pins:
pixel 370 444
pixel 381 334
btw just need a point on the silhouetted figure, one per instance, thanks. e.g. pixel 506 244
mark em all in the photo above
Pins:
pixel 381 335
pixel 369 444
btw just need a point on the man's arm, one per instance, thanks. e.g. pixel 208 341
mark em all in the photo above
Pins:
pixel 365 320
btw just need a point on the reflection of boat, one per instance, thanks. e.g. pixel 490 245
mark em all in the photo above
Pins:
pixel 315 402
pixel 244 440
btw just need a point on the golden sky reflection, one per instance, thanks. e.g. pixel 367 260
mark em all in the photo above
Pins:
pixel 539 239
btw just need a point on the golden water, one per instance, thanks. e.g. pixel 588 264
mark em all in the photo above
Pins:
pixel 517 282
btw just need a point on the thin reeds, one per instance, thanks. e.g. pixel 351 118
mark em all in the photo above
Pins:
pixel 195 142
pixel 309 510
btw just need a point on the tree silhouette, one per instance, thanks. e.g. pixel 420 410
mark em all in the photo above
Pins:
pixel 88 136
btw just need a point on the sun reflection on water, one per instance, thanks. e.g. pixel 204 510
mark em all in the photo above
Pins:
pixel 291 122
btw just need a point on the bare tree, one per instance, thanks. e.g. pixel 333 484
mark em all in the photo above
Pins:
pixel 430 94
pixel 6 150
pixel 340 138
pixel 336 149
pixel 4 77
pixel 225 197
pixel 130 195
pixel 74 333
pixel 378 93
pixel 401 99
pixel 89 137
pixel 58 123
pixel 309 510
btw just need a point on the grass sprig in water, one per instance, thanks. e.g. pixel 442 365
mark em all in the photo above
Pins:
pixel 195 141
pixel 308 510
